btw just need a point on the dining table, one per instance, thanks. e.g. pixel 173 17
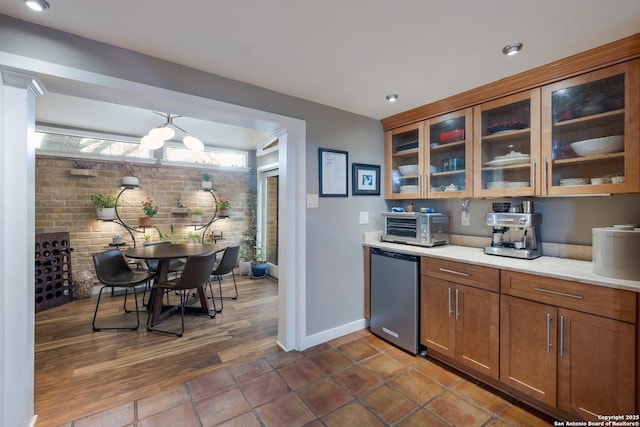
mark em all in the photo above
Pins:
pixel 164 254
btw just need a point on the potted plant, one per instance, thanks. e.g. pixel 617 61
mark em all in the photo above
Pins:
pixel 146 237
pixel 149 210
pixel 249 235
pixel 130 179
pixel 194 237
pixel 206 183
pixel 105 206
pixel 259 263
pixel 116 239
pixel 223 207
pixel 196 215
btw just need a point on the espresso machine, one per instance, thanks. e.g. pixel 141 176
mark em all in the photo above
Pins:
pixel 516 231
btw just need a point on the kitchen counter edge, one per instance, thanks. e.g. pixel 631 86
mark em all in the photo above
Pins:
pixel 557 268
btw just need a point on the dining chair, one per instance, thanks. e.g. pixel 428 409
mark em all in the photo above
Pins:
pixel 113 271
pixel 195 275
pixel 226 265
pixel 175 267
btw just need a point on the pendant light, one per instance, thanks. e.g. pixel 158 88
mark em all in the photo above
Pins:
pixel 160 134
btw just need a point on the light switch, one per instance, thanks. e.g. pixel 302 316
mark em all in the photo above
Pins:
pixel 312 200
pixel 364 217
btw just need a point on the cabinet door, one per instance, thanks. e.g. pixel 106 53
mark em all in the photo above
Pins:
pixel 507 145
pixel 477 315
pixel 596 365
pixel 403 162
pixel 590 132
pixel 449 155
pixel 437 320
pixel 527 347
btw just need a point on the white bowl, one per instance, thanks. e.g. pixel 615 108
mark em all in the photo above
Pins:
pixel 408 169
pixel 617 179
pixel 595 146
pixel 409 188
pixel 599 181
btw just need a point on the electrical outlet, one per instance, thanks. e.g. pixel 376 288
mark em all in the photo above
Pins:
pixel 465 218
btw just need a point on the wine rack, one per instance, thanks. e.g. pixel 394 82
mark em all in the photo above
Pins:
pixel 53 275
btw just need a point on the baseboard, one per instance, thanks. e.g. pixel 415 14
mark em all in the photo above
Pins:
pixel 330 334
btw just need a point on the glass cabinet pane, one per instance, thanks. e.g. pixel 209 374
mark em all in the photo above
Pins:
pixel 403 150
pixel 508 145
pixel 449 155
pixel 585 146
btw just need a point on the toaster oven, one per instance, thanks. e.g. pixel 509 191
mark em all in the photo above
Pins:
pixel 413 228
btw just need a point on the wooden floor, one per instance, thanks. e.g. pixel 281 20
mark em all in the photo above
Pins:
pixel 79 372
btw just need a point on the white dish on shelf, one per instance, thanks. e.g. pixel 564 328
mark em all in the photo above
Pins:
pixel 409 188
pixel 506 161
pixel 595 146
pixel 574 181
pixel 408 169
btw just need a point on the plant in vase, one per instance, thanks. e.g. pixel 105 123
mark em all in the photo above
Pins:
pixel 249 235
pixel 223 207
pixel 116 239
pixel 196 215
pixel 206 183
pixel 259 263
pixel 130 179
pixel 150 210
pixel 170 237
pixel 146 237
pixel 194 237
pixel 105 205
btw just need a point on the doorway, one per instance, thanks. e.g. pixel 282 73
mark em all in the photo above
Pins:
pixel 268 216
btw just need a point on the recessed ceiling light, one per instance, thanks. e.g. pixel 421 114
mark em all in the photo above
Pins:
pixel 512 49
pixel 392 97
pixel 37 5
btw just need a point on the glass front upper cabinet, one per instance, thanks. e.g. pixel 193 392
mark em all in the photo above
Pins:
pixel 403 152
pixel 590 132
pixel 507 145
pixel 448 164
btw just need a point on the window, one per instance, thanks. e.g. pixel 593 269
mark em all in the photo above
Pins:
pixel 96 146
pixel 210 156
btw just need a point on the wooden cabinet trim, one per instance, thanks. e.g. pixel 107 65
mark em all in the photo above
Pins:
pixel 599 300
pixel 600 57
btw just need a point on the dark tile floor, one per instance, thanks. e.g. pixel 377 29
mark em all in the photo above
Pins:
pixel 356 380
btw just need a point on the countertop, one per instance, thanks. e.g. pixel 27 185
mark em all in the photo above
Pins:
pixel 560 268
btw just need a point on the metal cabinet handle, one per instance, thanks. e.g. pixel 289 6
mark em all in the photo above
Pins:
pixel 548 333
pixel 563 294
pixel 544 176
pixel 446 270
pixel 533 178
pixel 449 306
pixel 457 309
pixel 561 335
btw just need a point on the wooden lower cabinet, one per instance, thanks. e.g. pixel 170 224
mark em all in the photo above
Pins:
pixel 580 363
pixel 462 323
pixel 527 348
pixel 596 365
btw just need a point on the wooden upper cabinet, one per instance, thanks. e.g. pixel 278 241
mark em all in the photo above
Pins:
pixel 590 131
pixel 449 155
pixel 507 145
pixel 404 158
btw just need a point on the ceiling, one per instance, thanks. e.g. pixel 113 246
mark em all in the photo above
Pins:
pixel 346 54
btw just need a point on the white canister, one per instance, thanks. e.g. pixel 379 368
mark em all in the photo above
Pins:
pixel 616 252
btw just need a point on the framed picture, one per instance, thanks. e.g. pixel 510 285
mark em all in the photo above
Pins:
pixel 333 166
pixel 365 180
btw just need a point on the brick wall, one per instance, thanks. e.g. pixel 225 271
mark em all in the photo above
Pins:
pixel 62 202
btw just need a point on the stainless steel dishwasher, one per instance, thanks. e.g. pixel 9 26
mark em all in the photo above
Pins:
pixel 395 298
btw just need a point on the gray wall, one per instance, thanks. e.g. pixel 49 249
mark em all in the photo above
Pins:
pixel 334 254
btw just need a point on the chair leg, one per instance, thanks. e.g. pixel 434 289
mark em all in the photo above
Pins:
pixel 95 313
pixel 213 300
pixel 183 300
pixel 234 284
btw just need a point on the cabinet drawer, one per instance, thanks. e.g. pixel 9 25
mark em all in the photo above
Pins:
pixel 458 272
pixel 599 300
